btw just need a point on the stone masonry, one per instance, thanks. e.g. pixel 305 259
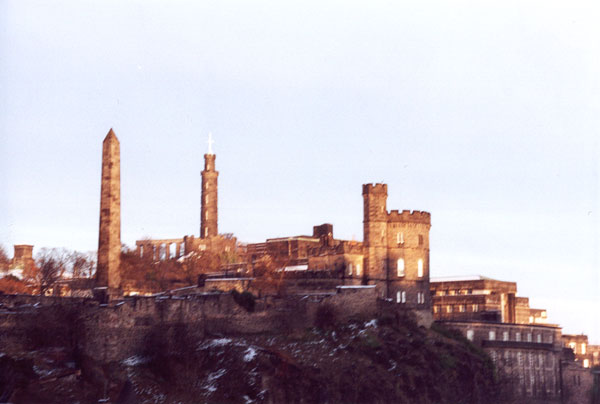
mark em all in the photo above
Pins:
pixel 208 210
pixel 109 243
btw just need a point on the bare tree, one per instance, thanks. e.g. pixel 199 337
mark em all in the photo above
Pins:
pixel 51 266
pixel 83 265
pixel 4 260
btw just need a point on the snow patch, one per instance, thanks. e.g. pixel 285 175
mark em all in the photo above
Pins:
pixel 372 323
pixel 212 378
pixel 249 354
pixel 215 343
pixel 134 361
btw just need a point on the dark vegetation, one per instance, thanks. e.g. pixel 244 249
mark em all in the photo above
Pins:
pixel 383 361
pixel 387 360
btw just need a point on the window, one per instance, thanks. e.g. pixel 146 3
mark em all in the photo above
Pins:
pixel 494 356
pixel 583 349
pixel 586 363
pixel 358 272
pixel 505 336
pixel 539 338
pixel 400 266
pixel 401 296
pixel 350 268
pixel 518 336
pixel 492 335
pixel 400 238
pixel 573 346
pixel 475 308
pixel 462 308
pixel 420 298
pixel 420 268
pixel 470 335
pixel 449 308
pixel 420 239
pixel 528 337
pixel 436 309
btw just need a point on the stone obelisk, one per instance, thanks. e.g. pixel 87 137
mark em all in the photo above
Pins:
pixel 108 276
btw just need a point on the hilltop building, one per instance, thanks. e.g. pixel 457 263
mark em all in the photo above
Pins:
pixel 481 298
pixel 524 347
pixel 587 355
pixel 393 256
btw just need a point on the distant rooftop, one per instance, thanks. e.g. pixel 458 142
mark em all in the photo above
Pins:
pixel 462 278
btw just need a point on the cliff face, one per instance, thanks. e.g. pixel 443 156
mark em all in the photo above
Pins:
pixel 388 359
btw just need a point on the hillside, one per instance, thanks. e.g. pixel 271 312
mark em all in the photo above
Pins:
pixel 379 361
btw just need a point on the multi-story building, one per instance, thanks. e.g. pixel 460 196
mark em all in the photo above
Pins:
pixel 524 347
pixel 481 298
pixel 587 355
pixel 527 355
pixel 393 256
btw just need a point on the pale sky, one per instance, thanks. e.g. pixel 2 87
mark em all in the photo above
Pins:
pixel 485 114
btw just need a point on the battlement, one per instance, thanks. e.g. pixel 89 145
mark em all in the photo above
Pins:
pixel 374 189
pixel 415 216
pixel 209 162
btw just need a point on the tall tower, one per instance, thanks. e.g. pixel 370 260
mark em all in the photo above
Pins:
pixel 375 233
pixel 208 209
pixel 109 241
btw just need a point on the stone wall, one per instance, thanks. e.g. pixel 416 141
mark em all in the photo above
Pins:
pixel 105 333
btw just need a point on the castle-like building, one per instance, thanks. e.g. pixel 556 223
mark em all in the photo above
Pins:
pixel 393 256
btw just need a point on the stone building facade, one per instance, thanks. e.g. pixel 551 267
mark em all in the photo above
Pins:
pixel 527 351
pixel 481 298
pixel 528 356
pixel 587 355
pixel 393 256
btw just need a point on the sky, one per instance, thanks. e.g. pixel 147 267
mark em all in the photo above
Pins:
pixel 485 114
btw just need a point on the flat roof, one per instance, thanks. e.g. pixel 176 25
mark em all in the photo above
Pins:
pixel 462 278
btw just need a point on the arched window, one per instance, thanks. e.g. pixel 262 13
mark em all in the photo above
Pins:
pixel 350 268
pixel 400 266
pixel 358 272
pixel 420 268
